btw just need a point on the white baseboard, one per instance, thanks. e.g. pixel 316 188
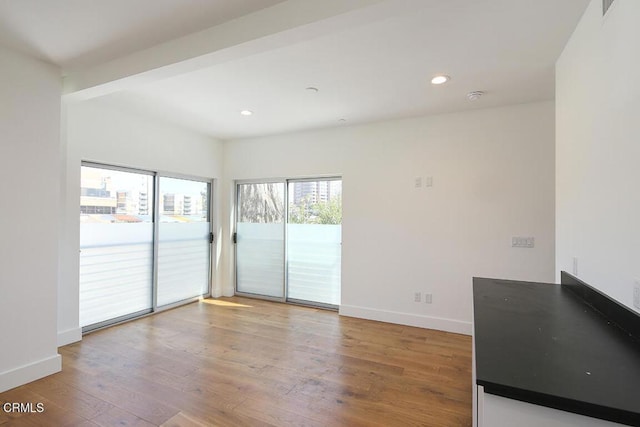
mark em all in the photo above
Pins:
pixel 222 293
pixel 420 321
pixel 31 372
pixel 69 336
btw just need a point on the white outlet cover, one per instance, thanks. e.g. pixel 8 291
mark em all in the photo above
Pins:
pixel 522 242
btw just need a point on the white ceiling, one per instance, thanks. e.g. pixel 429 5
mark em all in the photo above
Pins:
pixel 73 33
pixel 377 68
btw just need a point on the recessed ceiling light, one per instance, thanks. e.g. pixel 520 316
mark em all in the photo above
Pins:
pixel 246 112
pixel 438 80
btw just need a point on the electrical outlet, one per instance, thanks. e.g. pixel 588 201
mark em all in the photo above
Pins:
pixel 428 298
pixel 636 294
pixel 522 242
pixel 417 297
pixel 418 182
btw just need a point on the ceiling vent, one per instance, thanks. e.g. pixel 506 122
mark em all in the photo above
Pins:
pixel 606 4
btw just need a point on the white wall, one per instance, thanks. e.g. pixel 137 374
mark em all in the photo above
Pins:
pixel 493 178
pixel 598 148
pixel 29 205
pixel 104 135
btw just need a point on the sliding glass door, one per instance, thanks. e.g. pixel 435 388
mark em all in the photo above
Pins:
pixel 145 242
pixel 314 241
pixel 183 240
pixel 291 254
pixel 116 244
pixel 259 238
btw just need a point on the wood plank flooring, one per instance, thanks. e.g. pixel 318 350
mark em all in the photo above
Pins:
pixel 244 362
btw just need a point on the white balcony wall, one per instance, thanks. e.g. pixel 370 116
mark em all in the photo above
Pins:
pixel 313 262
pixel 260 254
pixel 115 270
pixel 183 272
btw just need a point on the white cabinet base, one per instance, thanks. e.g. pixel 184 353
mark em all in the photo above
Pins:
pixel 496 411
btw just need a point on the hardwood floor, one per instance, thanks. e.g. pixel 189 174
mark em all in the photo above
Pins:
pixel 244 362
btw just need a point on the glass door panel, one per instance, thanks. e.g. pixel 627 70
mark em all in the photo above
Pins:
pixel 260 239
pixel 183 240
pixel 116 244
pixel 314 239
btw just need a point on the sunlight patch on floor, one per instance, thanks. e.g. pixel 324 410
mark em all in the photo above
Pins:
pixel 183 420
pixel 222 303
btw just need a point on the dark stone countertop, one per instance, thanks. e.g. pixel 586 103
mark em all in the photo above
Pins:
pixel 548 345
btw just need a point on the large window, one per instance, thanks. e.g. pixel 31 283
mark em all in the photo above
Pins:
pixel 183 240
pixel 260 239
pixel 291 254
pixel 314 241
pixel 144 242
pixel 116 245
